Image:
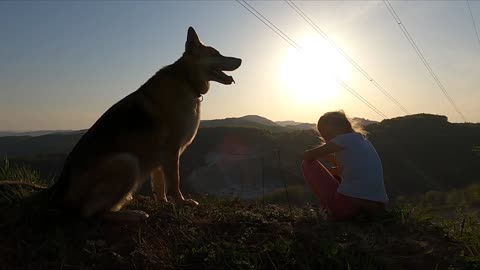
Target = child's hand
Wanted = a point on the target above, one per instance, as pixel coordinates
(335, 171)
(321, 151)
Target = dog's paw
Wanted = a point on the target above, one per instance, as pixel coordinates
(186, 202)
(160, 199)
(191, 202)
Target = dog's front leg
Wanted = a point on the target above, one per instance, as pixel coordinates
(172, 176)
(159, 185)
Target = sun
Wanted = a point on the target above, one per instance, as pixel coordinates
(310, 75)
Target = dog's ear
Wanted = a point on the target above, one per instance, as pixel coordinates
(192, 40)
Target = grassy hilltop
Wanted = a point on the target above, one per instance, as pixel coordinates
(229, 234)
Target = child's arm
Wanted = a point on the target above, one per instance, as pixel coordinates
(321, 151)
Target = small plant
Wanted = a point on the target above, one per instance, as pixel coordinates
(14, 173)
(18, 173)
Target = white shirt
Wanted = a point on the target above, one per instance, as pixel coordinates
(361, 168)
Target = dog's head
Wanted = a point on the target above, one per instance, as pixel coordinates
(208, 63)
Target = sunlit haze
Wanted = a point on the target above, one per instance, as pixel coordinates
(65, 63)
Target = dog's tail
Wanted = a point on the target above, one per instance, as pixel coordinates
(55, 193)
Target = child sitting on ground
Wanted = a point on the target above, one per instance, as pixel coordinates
(361, 190)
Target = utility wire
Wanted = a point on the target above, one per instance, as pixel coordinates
(307, 19)
(473, 21)
(422, 57)
(295, 45)
(269, 24)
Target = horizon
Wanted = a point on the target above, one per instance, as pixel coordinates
(19, 131)
(354, 118)
(64, 64)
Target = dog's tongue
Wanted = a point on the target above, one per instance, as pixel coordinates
(223, 78)
(228, 80)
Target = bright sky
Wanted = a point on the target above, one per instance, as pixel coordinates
(64, 63)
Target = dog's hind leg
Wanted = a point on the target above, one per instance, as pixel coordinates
(113, 181)
(159, 185)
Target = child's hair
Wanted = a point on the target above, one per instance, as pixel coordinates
(338, 119)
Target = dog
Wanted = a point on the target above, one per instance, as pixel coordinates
(141, 136)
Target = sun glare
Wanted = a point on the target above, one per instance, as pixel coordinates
(309, 76)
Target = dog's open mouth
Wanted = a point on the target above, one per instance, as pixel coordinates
(227, 64)
(221, 77)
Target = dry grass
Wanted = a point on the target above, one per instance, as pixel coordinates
(224, 234)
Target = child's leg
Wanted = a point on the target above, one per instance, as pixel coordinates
(321, 181)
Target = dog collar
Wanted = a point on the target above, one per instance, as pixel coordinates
(194, 86)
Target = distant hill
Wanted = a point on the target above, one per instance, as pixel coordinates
(258, 122)
(419, 153)
(258, 119)
(24, 146)
(31, 133)
(424, 152)
(293, 125)
(244, 121)
(363, 122)
(249, 121)
(288, 123)
(233, 122)
(302, 126)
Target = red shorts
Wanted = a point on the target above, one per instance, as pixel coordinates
(324, 185)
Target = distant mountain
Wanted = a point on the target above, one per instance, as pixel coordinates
(288, 123)
(44, 145)
(363, 122)
(258, 119)
(248, 121)
(419, 153)
(424, 152)
(302, 126)
(293, 125)
(360, 121)
(31, 133)
(244, 121)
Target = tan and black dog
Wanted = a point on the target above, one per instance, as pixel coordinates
(142, 135)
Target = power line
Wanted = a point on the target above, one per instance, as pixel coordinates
(285, 37)
(307, 19)
(360, 97)
(422, 57)
(295, 45)
(269, 24)
(473, 21)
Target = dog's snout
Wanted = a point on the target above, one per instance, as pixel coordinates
(231, 64)
(239, 61)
